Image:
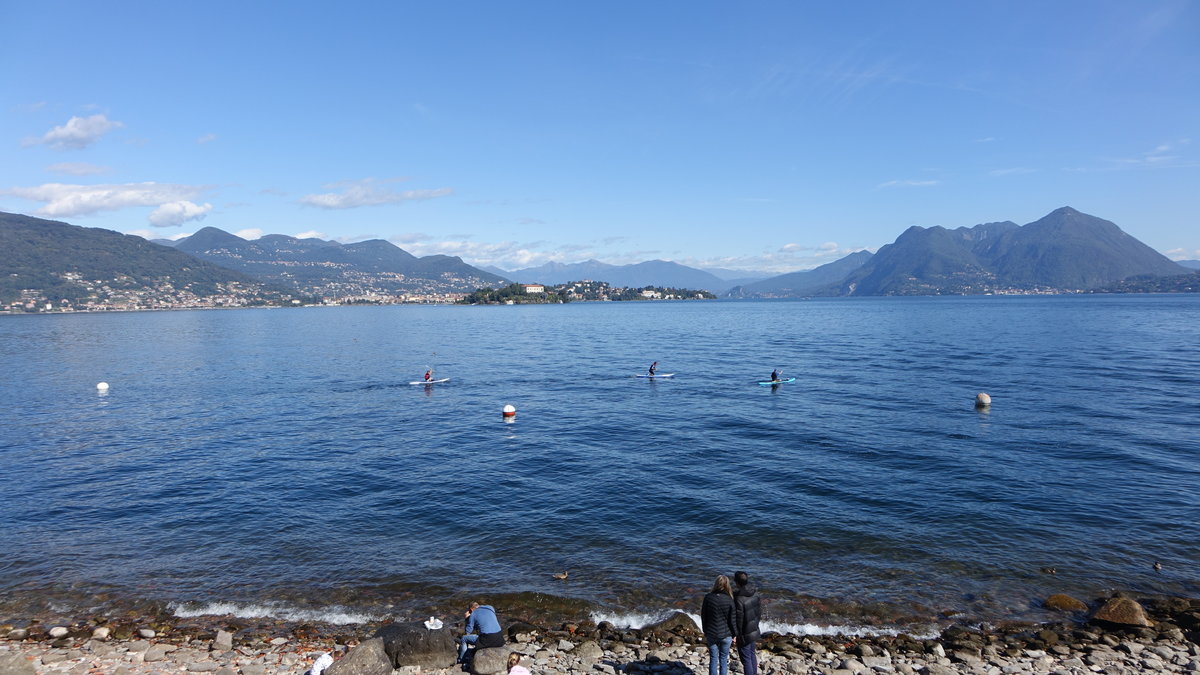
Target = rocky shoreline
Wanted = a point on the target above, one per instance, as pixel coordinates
(1124, 635)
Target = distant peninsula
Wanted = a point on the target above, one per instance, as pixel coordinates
(577, 291)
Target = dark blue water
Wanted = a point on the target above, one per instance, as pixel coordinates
(279, 461)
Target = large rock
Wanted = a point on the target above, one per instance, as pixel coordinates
(16, 664)
(410, 643)
(1124, 611)
(676, 623)
(589, 651)
(1064, 603)
(490, 661)
(368, 658)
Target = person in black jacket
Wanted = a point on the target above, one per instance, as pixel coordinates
(747, 610)
(717, 617)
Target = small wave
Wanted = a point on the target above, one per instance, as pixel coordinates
(335, 615)
(640, 620)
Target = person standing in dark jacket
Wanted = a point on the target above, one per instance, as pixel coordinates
(747, 610)
(718, 618)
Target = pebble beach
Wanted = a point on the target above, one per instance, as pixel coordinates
(1115, 636)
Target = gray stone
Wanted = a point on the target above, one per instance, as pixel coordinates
(279, 641)
(226, 671)
(676, 623)
(201, 667)
(604, 668)
(588, 651)
(53, 657)
(565, 645)
(798, 666)
(410, 643)
(58, 632)
(18, 634)
(368, 658)
(223, 641)
(259, 669)
(137, 646)
(146, 633)
(489, 661)
(159, 651)
(101, 633)
(939, 669)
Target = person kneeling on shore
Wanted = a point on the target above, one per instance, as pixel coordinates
(482, 618)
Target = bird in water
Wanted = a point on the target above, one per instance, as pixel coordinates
(561, 576)
(1157, 566)
(1049, 570)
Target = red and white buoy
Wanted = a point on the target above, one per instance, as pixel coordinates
(509, 411)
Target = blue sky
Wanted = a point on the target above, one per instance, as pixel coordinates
(762, 135)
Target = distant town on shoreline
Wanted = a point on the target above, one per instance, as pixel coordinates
(50, 266)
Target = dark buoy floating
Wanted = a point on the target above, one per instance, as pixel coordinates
(982, 400)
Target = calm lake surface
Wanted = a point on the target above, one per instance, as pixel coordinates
(278, 462)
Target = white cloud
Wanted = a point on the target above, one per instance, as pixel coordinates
(77, 133)
(78, 168)
(172, 214)
(910, 183)
(311, 234)
(206, 138)
(987, 139)
(248, 234)
(1182, 254)
(64, 200)
(367, 192)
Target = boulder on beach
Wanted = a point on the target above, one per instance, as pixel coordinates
(489, 661)
(368, 658)
(1062, 602)
(676, 623)
(410, 643)
(16, 664)
(1124, 611)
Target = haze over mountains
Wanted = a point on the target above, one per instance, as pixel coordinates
(1065, 251)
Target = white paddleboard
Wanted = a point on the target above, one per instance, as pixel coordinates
(656, 376)
(444, 379)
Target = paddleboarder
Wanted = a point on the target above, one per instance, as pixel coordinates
(429, 374)
(653, 367)
(776, 375)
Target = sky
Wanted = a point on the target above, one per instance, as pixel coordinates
(756, 136)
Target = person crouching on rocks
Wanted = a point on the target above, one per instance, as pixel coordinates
(514, 665)
(482, 618)
(717, 618)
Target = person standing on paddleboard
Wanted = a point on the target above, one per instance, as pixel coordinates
(776, 375)
(653, 367)
(429, 374)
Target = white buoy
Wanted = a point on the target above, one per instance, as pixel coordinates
(982, 400)
(510, 411)
(102, 386)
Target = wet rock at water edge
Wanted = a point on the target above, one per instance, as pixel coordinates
(1123, 611)
(588, 651)
(676, 623)
(1064, 603)
(410, 643)
(368, 658)
(223, 642)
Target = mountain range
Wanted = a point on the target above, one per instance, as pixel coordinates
(58, 261)
(650, 273)
(1062, 252)
(328, 268)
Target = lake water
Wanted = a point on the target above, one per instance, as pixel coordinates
(278, 462)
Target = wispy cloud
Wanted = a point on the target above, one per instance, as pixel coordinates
(1169, 155)
(909, 183)
(206, 138)
(1183, 254)
(1015, 171)
(79, 168)
(986, 139)
(249, 233)
(368, 192)
(173, 201)
(77, 134)
(311, 234)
